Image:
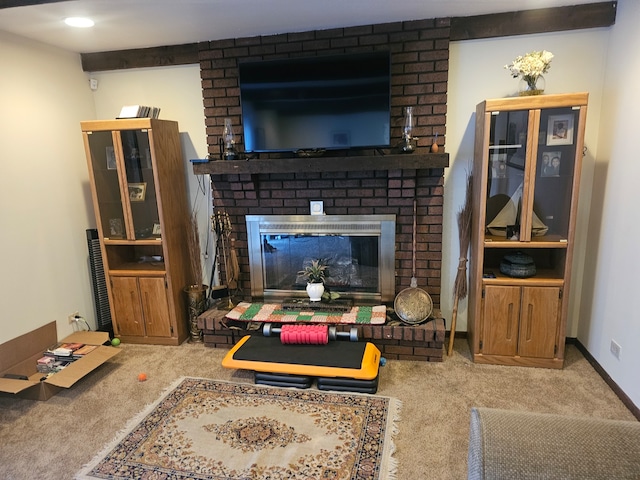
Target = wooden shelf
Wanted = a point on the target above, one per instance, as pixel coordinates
(324, 164)
(548, 241)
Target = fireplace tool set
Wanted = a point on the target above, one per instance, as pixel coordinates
(221, 225)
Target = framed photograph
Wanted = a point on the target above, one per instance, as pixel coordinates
(156, 229)
(137, 192)
(560, 130)
(111, 158)
(551, 164)
(116, 228)
(498, 165)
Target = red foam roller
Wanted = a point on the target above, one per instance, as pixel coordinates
(304, 334)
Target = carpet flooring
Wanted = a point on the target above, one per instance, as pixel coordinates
(54, 439)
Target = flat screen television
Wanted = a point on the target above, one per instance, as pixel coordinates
(316, 103)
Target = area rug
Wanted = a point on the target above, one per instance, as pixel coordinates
(273, 312)
(209, 429)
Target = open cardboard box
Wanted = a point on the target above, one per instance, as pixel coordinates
(20, 356)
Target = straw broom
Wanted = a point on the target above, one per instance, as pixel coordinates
(464, 236)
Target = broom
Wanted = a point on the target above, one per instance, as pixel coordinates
(464, 236)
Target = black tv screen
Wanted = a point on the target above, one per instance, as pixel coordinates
(316, 103)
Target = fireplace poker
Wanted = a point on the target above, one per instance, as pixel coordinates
(222, 227)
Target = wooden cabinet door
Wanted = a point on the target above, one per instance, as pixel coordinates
(153, 294)
(500, 315)
(127, 308)
(539, 321)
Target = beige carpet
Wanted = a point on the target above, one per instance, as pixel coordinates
(54, 439)
(204, 429)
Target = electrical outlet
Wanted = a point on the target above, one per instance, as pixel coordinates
(73, 316)
(615, 349)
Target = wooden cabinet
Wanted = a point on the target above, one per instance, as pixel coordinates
(141, 307)
(138, 187)
(526, 174)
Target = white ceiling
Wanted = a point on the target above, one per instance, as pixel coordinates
(125, 24)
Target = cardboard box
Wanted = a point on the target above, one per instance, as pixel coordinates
(20, 357)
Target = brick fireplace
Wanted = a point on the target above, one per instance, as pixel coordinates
(348, 183)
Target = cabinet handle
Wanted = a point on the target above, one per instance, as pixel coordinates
(134, 297)
(146, 307)
(528, 325)
(510, 322)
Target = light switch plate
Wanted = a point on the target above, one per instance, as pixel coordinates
(316, 207)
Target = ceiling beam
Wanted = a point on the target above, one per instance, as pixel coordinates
(184, 54)
(26, 3)
(526, 22)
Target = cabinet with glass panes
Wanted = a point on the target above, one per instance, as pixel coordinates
(136, 171)
(526, 174)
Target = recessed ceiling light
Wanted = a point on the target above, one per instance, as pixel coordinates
(79, 22)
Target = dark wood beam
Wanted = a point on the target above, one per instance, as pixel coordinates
(526, 22)
(184, 54)
(26, 3)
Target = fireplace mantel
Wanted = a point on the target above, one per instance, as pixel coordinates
(325, 164)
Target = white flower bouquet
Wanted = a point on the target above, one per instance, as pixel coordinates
(530, 66)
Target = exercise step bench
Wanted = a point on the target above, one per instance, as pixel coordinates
(340, 365)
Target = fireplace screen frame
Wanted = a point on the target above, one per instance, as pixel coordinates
(381, 226)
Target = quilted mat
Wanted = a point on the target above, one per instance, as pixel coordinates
(273, 312)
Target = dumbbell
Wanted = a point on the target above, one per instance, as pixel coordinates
(308, 334)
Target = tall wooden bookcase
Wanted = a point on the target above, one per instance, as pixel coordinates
(139, 194)
(526, 176)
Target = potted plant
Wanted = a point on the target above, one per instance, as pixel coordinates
(315, 274)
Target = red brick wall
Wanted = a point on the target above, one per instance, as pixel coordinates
(419, 58)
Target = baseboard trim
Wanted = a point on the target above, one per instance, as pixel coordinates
(596, 366)
(605, 376)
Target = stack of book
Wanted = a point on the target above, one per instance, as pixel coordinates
(139, 111)
(69, 351)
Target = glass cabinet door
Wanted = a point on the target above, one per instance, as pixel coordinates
(506, 175)
(141, 190)
(107, 185)
(124, 160)
(555, 168)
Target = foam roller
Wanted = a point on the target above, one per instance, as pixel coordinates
(305, 334)
(308, 334)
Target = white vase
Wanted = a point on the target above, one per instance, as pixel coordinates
(315, 291)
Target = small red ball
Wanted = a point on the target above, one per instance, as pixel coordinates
(142, 377)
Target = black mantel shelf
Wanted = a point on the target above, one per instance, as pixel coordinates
(324, 164)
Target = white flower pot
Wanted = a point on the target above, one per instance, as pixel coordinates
(315, 291)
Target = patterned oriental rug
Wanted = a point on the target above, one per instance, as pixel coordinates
(208, 429)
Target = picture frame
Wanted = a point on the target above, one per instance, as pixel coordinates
(560, 130)
(498, 165)
(137, 192)
(551, 162)
(156, 229)
(116, 227)
(111, 158)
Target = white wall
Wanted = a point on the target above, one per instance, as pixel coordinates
(177, 91)
(476, 72)
(44, 192)
(611, 302)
